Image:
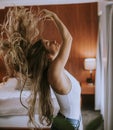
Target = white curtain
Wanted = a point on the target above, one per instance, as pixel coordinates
(109, 70)
(104, 72)
(101, 64)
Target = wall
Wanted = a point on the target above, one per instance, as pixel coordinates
(82, 22)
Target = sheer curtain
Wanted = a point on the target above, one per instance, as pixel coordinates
(101, 62)
(104, 73)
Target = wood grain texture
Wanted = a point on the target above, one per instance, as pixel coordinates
(87, 88)
(82, 22)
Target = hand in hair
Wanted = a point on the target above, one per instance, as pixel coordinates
(56, 75)
(46, 14)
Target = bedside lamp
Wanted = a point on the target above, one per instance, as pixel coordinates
(90, 64)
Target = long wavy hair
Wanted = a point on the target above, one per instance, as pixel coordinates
(24, 53)
(38, 67)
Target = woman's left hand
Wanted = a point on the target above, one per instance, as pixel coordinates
(46, 14)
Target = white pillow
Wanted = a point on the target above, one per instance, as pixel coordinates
(21, 83)
(10, 84)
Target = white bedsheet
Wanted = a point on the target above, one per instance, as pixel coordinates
(10, 102)
(18, 121)
(12, 113)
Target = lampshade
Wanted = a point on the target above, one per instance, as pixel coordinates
(90, 63)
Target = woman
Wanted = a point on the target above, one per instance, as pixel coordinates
(52, 61)
(45, 61)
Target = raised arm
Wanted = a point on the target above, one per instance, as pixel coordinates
(66, 41)
(65, 35)
(56, 75)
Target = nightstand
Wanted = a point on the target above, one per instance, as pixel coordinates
(88, 95)
(87, 88)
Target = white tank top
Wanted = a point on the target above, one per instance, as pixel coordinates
(70, 104)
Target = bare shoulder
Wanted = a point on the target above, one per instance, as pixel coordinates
(59, 82)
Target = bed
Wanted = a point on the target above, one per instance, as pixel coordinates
(12, 114)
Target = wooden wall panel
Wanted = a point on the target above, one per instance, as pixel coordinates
(82, 22)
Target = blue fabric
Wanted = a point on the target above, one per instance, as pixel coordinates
(61, 123)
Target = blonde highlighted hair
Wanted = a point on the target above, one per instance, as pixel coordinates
(24, 53)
